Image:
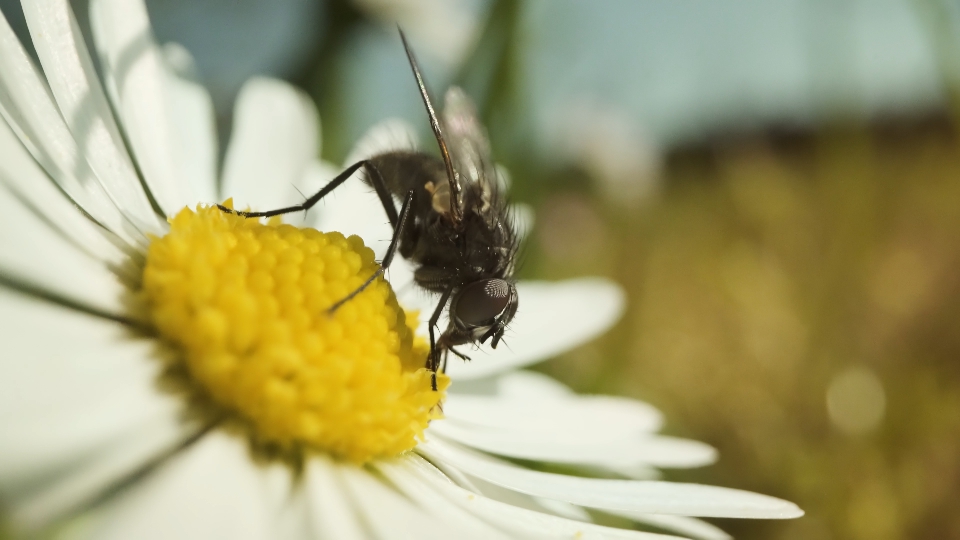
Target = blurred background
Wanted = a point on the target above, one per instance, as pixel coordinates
(776, 184)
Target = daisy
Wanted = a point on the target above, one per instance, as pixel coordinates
(124, 409)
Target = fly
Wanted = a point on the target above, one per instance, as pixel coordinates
(454, 225)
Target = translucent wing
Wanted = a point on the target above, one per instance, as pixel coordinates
(467, 141)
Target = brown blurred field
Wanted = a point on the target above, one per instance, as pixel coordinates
(765, 267)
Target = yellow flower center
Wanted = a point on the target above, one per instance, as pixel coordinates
(248, 305)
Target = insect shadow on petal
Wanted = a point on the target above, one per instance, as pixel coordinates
(454, 224)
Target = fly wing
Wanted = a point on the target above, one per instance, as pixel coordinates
(482, 185)
(467, 141)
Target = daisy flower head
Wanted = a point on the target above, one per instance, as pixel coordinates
(169, 370)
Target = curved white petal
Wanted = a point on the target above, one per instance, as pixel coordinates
(73, 80)
(639, 496)
(354, 208)
(293, 520)
(581, 417)
(563, 509)
(606, 448)
(687, 526)
(426, 496)
(390, 515)
(25, 178)
(194, 124)
(83, 405)
(276, 135)
(36, 255)
(155, 105)
(355, 205)
(391, 134)
(28, 107)
(520, 500)
(80, 482)
(532, 386)
(515, 498)
(212, 489)
(518, 385)
(553, 318)
(516, 521)
(633, 472)
(332, 515)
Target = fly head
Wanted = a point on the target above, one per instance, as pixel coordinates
(481, 310)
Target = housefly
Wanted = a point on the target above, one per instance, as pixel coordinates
(454, 225)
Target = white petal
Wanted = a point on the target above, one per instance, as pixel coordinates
(194, 127)
(389, 514)
(78, 398)
(609, 448)
(633, 472)
(428, 497)
(392, 134)
(519, 522)
(522, 500)
(29, 109)
(213, 489)
(25, 178)
(35, 255)
(168, 120)
(354, 208)
(276, 135)
(671, 452)
(293, 520)
(95, 474)
(553, 318)
(638, 496)
(583, 417)
(331, 514)
(534, 386)
(688, 526)
(564, 509)
(73, 80)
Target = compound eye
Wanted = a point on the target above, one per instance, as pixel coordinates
(480, 302)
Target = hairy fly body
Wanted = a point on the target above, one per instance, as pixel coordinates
(453, 223)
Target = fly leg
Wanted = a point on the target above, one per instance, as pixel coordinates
(446, 356)
(433, 361)
(462, 356)
(375, 178)
(388, 257)
(398, 222)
